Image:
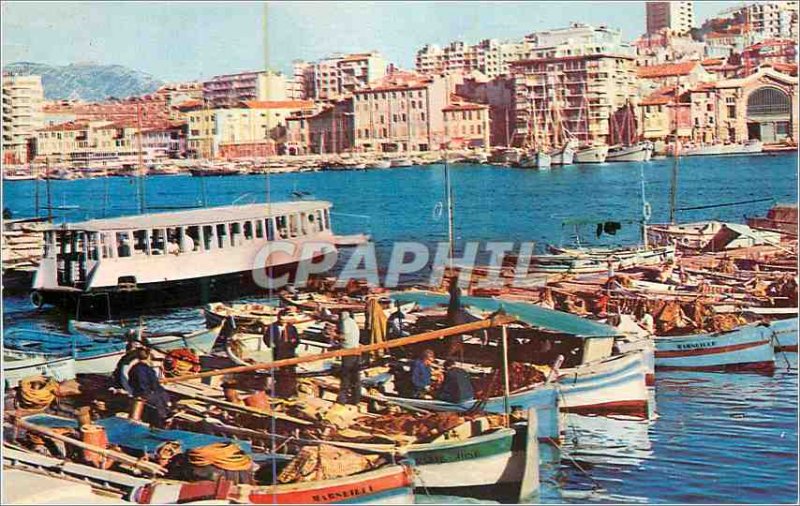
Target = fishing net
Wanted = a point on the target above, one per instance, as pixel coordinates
(326, 462)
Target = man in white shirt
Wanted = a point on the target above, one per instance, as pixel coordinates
(349, 376)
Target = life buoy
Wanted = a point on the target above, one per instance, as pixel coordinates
(37, 299)
(647, 211)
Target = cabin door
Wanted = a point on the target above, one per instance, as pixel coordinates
(71, 259)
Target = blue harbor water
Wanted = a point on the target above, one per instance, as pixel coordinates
(717, 438)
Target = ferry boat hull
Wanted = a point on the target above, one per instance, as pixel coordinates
(592, 154)
(747, 348)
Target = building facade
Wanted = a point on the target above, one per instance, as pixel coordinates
(339, 75)
(677, 17)
(466, 125)
(490, 57)
(23, 98)
(229, 90)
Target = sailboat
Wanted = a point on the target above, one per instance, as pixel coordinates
(565, 154)
(588, 152)
(626, 149)
(536, 156)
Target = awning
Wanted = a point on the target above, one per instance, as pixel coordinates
(531, 314)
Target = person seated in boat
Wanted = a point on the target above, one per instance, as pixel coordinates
(396, 323)
(421, 377)
(349, 375)
(124, 365)
(283, 338)
(173, 248)
(648, 323)
(457, 386)
(600, 307)
(144, 383)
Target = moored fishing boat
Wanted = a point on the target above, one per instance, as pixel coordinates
(746, 348)
(401, 162)
(591, 154)
(201, 341)
(90, 357)
(640, 152)
(565, 155)
(253, 316)
(784, 334)
(536, 160)
(18, 365)
(587, 261)
(379, 164)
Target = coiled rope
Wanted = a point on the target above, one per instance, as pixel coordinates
(37, 392)
(227, 456)
(181, 362)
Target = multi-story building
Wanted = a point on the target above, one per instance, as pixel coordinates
(338, 75)
(400, 113)
(666, 47)
(466, 125)
(251, 129)
(780, 51)
(23, 98)
(498, 95)
(229, 90)
(770, 19)
(683, 75)
(490, 57)
(573, 87)
(677, 17)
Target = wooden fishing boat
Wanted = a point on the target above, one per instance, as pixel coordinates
(593, 380)
(591, 154)
(252, 316)
(18, 365)
(640, 152)
(27, 487)
(90, 357)
(317, 302)
(200, 341)
(746, 348)
(784, 334)
(249, 348)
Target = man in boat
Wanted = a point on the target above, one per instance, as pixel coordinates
(421, 374)
(456, 386)
(144, 384)
(283, 338)
(124, 366)
(349, 376)
(397, 323)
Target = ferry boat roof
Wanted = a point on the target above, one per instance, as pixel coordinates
(207, 215)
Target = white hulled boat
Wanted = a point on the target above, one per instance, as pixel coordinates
(166, 259)
(591, 154)
(640, 152)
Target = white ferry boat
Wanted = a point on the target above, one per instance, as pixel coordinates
(111, 266)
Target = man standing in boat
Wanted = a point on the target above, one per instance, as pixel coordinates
(421, 374)
(144, 384)
(350, 375)
(283, 339)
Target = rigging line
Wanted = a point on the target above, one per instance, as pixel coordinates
(727, 204)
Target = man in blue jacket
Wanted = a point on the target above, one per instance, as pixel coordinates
(421, 374)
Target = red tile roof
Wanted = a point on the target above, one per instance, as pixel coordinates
(785, 68)
(279, 104)
(62, 127)
(655, 100)
(666, 70)
(711, 62)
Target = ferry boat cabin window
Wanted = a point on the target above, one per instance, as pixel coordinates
(304, 225)
(191, 239)
(280, 222)
(208, 236)
(93, 252)
(222, 234)
(270, 229)
(327, 220)
(320, 223)
(248, 230)
(259, 229)
(107, 249)
(174, 236)
(140, 242)
(293, 225)
(236, 234)
(157, 242)
(123, 244)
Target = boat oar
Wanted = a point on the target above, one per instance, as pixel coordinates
(149, 467)
(495, 321)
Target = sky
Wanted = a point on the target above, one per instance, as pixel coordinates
(177, 41)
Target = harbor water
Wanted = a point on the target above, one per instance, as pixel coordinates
(717, 438)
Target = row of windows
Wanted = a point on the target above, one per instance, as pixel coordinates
(384, 94)
(189, 239)
(454, 130)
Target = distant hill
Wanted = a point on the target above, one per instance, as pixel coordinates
(87, 81)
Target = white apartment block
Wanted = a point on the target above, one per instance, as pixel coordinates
(232, 89)
(577, 40)
(772, 19)
(339, 75)
(490, 57)
(677, 17)
(23, 98)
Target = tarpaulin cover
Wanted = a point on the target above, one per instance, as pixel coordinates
(136, 437)
(533, 315)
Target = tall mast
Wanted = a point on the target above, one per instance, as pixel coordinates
(673, 187)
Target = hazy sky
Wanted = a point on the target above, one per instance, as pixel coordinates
(191, 40)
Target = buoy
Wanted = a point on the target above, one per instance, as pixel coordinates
(95, 435)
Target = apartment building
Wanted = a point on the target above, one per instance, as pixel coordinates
(23, 98)
(466, 125)
(572, 85)
(339, 75)
(677, 17)
(490, 57)
(771, 19)
(229, 90)
(683, 75)
(251, 129)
